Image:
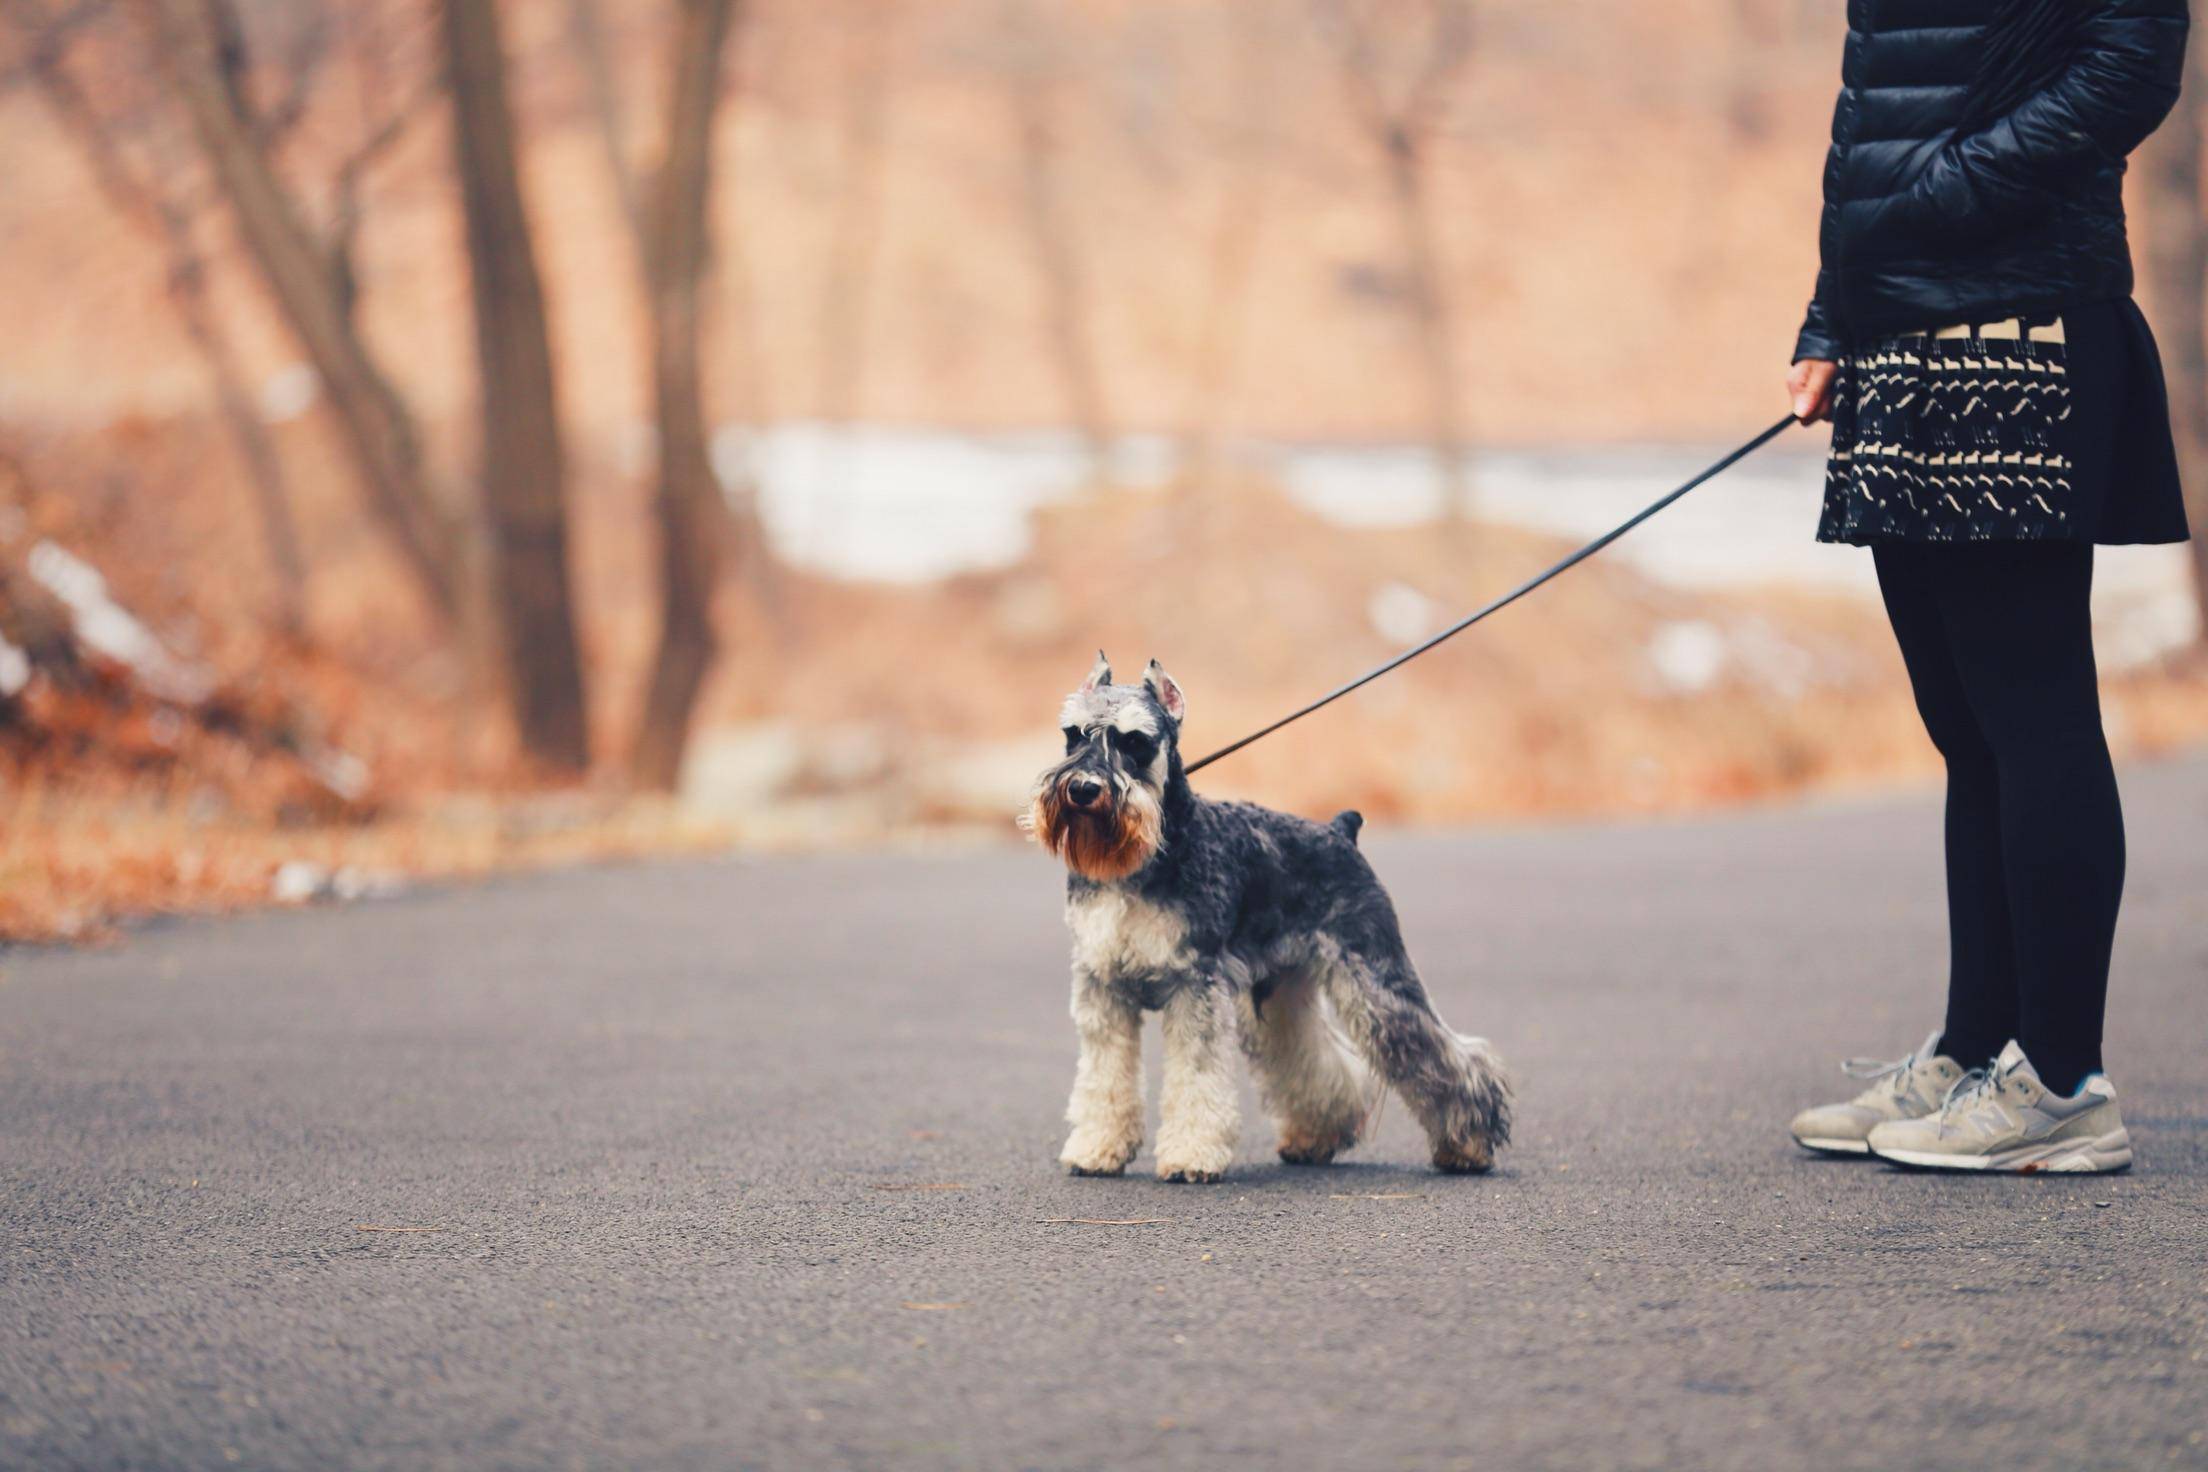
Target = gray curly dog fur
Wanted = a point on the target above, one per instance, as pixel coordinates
(1241, 927)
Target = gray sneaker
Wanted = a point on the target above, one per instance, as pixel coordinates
(2002, 1117)
(1907, 1088)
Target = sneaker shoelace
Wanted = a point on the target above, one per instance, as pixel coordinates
(1966, 1090)
(1871, 1070)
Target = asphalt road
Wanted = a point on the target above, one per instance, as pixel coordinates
(747, 1164)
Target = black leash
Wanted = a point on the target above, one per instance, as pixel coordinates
(1512, 596)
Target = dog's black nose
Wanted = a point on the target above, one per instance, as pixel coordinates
(1082, 792)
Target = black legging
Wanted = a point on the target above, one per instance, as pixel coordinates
(1999, 647)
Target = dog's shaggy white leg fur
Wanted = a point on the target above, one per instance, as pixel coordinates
(1200, 1112)
(1318, 1090)
(1106, 1108)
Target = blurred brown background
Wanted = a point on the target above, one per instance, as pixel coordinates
(441, 436)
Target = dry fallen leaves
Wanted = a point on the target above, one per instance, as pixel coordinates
(114, 804)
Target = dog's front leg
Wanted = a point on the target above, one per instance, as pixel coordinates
(1201, 1119)
(1106, 1108)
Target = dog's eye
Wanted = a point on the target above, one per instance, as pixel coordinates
(1135, 746)
(1073, 739)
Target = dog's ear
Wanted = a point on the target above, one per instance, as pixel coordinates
(1100, 673)
(1169, 694)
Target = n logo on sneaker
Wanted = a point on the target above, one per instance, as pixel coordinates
(1992, 1121)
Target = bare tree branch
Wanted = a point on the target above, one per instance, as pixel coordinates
(158, 214)
(47, 41)
(51, 34)
(302, 65)
(738, 315)
(352, 171)
(197, 63)
(1449, 48)
(523, 461)
(693, 524)
(233, 61)
(1442, 54)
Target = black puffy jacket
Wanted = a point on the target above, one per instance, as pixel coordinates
(1924, 227)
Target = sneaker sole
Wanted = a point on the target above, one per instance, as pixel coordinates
(1833, 1146)
(2103, 1156)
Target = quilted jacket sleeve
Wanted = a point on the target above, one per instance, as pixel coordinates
(1817, 338)
(2124, 82)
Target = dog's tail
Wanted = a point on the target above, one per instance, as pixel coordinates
(1487, 1083)
(1465, 1103)
(1454, 1084)
(1347, 822)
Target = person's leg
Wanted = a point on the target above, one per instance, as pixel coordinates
(2019, 628)
(1981, 977)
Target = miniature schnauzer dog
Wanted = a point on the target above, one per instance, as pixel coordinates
(1235, 922)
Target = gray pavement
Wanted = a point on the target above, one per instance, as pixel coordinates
(659, 1139)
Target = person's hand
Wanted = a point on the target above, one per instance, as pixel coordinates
(1809, 382)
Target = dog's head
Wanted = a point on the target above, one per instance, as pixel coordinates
(1102, 809)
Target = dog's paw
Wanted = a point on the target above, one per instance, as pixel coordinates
(1299, 1146)
(1473, 1157)
(1189, 1175)
(1089, 1156)
(1190, 1156)
(1094, 1168)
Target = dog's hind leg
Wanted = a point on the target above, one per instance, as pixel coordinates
(1199, 1113)
(1106, 1108)
(1454, 1085)
(1317, 1088)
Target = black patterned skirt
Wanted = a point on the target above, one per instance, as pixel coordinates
(2005, 431)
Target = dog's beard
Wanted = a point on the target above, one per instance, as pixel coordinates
(1100, 844)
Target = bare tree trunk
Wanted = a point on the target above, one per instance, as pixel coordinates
(1233, 255)
(701, 520)
(2176, 250)
(1437, 327)
(692, 520)
(1058, 258)
(524, 471)
(143, 203)
(735, 297)
(309, 293)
